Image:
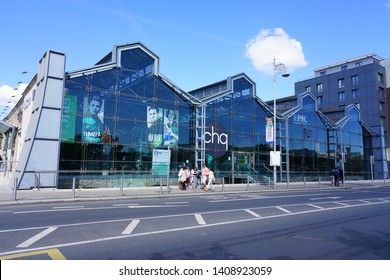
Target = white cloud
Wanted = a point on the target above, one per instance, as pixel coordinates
(387, 5)
(276, 43)
(9, 96)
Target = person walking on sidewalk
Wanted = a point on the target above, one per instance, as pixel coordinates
(205, 173)
(184, 177)
(194, 177)
(211, 180)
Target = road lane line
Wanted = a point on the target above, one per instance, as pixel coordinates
(253, 213)
(283, 209)
(365, 201)
(68, 207)
(129, 229)
(175, 203)
(316, 206)
(37, 237)
(155, 206)
(233, 199)
(105, 239)
(340, 203)
(200, 219)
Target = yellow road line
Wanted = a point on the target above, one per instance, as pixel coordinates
(54, 254)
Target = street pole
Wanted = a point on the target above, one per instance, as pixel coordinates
(274, 124)
(278, 68)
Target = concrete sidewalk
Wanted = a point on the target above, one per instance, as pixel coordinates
(47, 195)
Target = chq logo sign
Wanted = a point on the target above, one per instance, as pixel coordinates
(216, 139)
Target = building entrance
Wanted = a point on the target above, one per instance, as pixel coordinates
(243, 167)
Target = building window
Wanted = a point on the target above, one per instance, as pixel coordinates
(355, 80)
(359, 63)
(320, 100)
(380, 78)
(340, 83)
(381, 106)
(381, 92)
(383, 121)
(322, 73)
(342, 96)
(344, 67)
(308, 88)
(319, 88)
(355, 94)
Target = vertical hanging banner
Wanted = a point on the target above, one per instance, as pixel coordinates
(161, 162)
(269, 131)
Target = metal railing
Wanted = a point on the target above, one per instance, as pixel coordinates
(71, 184)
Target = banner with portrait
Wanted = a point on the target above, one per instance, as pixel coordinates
(93, 116)
(163, 127)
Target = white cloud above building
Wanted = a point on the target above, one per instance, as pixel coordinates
(275, 43)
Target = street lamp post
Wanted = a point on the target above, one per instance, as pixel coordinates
(279, 68)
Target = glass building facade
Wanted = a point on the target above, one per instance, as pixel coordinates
(115, 117)
(307, 140)
(312, 144)
(235, 129)
(122, 118)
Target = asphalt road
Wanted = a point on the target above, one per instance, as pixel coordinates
(310, 225)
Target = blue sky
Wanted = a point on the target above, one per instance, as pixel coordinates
(199, 42)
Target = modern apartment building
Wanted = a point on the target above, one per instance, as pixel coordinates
(360, 81)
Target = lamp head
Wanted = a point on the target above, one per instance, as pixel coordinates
(285, 75)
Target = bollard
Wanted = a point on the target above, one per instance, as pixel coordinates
(304, 182)
(161, 188)
(319, 181)
(121, 188)
(269, 183)
(74, 188)
(15, 189)
(223, 184)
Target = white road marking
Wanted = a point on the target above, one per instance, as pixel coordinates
(329, 197)
(175, 203)
(340, 203)
(129, 229)
(200, 219)
(252, 213)
(316, 206)
(155, 206)
(68, 207)
(283, 209)
(365, 201)
(37, 237)
(232, 199)
(173, 229)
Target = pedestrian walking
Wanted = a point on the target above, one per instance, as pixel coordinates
(211, 180)
(205, 173)
(194, 177)
(181, 178)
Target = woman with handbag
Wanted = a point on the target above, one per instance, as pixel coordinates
(184, 177)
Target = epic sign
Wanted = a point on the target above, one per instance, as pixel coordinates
(300, 119)
(216, 139)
